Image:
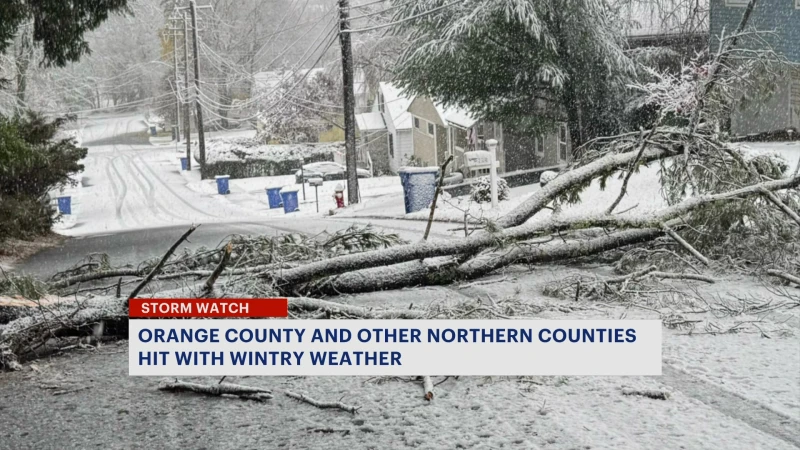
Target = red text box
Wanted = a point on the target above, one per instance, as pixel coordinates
(208, 307)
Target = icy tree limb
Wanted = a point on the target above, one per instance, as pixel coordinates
(436, 197)
(677, 238)
(624, 189)
(313, 304)
(683, 276)
(113, 273)
(539, 199)
(323, 405)
(382, 278)
(649, 393)
(160, 264)
(427, 387)
(720, 61)
(788, 277)
(782, 206)
(477, 243)
(208, 287)
(631, 276)
(520, 255)
(243, 392)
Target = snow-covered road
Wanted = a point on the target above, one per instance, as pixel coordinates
(133, 202)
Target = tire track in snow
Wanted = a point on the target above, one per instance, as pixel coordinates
(175, 194)
(152, 202)
(733, 405)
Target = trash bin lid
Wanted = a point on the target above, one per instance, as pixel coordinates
(221, 176)
(413, 170)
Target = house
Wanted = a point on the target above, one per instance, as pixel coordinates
(438, 132)
(371, 147)
(385, 131)
(393, 105)
(782, 17)
(550, 149)
(659, 23)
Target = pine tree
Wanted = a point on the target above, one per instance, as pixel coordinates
(58, 25)
(525, 63)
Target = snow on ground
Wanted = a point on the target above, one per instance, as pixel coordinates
(733, 391)
(789, 151)
(643, 193)
(251, 193)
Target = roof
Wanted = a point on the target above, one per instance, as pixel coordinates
(396, 105)
(371, 121)
(456, 116)
(654, 18)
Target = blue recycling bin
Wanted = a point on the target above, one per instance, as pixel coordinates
(274, 197)
(419, 186)
(65, 205)
(290, 203)
(184, 163)
(222, 184)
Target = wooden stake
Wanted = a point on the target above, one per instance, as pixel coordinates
(436, 197)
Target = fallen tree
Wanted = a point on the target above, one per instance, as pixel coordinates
(720, 203)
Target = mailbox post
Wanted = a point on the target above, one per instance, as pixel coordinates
(316, 182)
(491, 144)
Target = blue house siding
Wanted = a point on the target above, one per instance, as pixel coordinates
(783, 18)
(780, 16)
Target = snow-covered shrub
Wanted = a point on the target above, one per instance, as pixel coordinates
(546, 177)
(482, 190)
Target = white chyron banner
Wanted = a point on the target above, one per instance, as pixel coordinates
(234, 347)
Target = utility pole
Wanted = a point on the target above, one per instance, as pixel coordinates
(177, 84)
(349, 102)
(187, 114)
(200, 135)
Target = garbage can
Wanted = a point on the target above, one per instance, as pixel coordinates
(65, 205)
(290, 203)
(153, 131)
(274, 197)
(419, 186)
(184, 163)
(222, 184)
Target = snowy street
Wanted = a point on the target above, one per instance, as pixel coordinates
(133, 202)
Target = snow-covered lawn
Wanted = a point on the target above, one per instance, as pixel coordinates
(643, 193)
(251, 192)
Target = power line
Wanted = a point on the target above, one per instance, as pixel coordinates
(416, 16)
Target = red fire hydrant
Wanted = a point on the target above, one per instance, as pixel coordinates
(339, 196)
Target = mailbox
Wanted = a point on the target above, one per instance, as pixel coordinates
(315, 181)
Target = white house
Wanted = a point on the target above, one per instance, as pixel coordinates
(391, 102)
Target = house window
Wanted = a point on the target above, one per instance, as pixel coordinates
(562, 142)
(796, 4)
(538, 143)
(381, 102)
(431, 129)
(391, 146)
(737, 3)
(416, 122)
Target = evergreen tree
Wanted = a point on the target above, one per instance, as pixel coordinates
(525, 63)
(58, 25)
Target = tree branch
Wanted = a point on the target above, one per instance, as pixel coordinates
(160, 264)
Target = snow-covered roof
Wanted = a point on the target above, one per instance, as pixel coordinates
(456, 116)
(396, 105)
(664, 17)
(371, 121)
